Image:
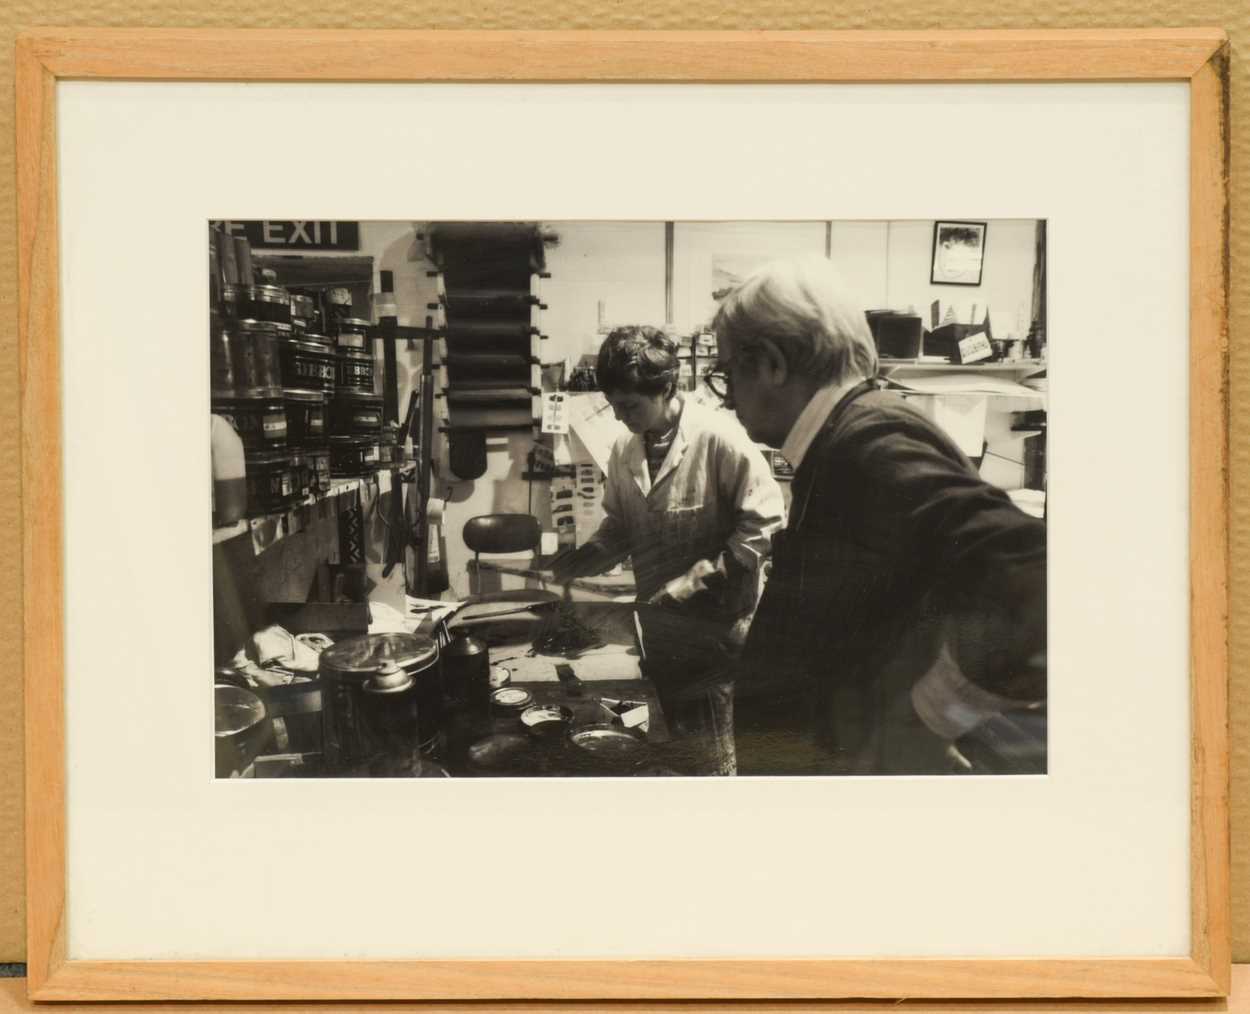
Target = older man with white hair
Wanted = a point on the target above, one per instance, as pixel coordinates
(903, 626)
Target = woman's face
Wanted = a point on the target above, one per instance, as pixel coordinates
(642, 413)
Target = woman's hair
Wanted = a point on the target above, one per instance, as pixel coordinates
(802, 306)
(637, 360)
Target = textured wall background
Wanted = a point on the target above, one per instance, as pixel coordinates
(1232, 15)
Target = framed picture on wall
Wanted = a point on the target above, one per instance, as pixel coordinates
(958, 253)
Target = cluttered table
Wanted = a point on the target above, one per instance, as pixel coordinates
(532, 688)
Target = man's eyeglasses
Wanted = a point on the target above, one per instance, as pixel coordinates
(716, 378)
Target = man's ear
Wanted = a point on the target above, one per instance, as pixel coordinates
(773, 367)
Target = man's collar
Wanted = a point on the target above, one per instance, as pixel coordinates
(812, 418)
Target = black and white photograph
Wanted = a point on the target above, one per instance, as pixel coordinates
(958, 253)
(555, 499)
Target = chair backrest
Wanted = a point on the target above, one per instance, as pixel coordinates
(502, 533)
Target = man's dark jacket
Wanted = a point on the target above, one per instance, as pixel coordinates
(894, 544)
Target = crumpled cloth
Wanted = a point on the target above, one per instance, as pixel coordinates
(273, 656)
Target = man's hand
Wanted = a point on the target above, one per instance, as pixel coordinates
(681, 589)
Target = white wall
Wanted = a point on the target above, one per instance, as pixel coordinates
(1006, 281)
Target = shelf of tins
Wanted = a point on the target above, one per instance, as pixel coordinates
(488, 310)
(310, 506)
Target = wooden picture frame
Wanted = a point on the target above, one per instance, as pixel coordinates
(45, 57)
(967, 267)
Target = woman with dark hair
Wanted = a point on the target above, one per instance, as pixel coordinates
(688, 497)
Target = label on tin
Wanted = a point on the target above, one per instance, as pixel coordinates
(368, 419)
(371, 452)
(274, 424)
(286, 484)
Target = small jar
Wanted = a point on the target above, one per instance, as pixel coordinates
(356, 414)
(305, 418)
(355, 371)
(256, 360)
(353, 457)
(260, 422)
(353, 333)
(268, 302)
(272, 483)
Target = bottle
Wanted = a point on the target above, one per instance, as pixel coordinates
(229, 473)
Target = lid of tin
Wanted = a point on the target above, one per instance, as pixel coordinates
(267, 459)
(536, 716)
(320, 339)
(302, 343)
(353, 394)
(464, 646)
(512, 698)
(250, 324)
(498, 677)
(360, 657)
(298, 394)
(268, 293)
(283, 328)
(364, 441)
(389, 679)
(607, 741)
(353, 323)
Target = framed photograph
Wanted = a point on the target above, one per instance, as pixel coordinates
(958, 253)
(428, 805)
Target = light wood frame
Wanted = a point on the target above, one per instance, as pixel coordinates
(1198, 56)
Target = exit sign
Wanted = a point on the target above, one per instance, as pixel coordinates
(281, 234)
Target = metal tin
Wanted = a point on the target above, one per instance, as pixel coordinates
(231, 295)
(260, 422)
(272, 484)
(305, 418)
(608, 743)
(351, 723)
(353, 457)
(220, 359)
(321, 339)
(303, 310)
(509, 702)
(353, 333)
(308, 365)
(466, 671)
(256, 360)
(242, 727)
(356, 414)
(355, 371)
(546, 719)
(317, 460)
(499, 677)
(267, 302)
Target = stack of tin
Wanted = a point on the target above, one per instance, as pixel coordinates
(248, 324)
(356, 410)
(302, 402)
